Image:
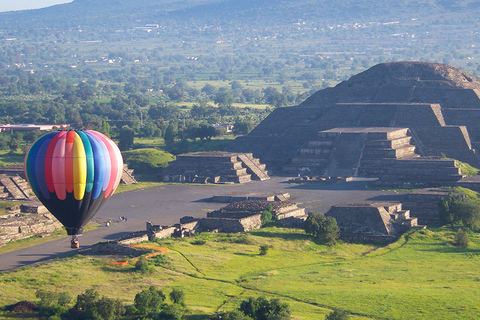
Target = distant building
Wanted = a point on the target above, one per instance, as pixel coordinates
(30, 127)
(227, 127)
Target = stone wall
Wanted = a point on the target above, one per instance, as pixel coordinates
(21, 225)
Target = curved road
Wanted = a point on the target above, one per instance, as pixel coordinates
(165, 205)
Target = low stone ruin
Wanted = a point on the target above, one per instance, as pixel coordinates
(372, 222)
(25, 221)
(215, 167)
(242, 196)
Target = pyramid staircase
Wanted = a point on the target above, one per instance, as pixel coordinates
(127, 176)
(353, 152)
(254, 167)
(14, 187)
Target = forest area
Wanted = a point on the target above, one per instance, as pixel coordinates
(172, 69)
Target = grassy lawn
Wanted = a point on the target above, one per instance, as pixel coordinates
(420, 277)
(8, 159)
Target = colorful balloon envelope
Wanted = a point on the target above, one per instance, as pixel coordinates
(73, 173)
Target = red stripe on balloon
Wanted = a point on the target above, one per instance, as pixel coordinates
(48, 161)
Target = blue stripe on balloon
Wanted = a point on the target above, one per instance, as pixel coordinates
(39, 168)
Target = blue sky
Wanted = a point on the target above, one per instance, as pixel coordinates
(10, 5)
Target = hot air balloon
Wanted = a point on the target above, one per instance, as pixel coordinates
(73, 173)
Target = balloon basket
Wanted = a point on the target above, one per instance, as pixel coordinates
(74, 243)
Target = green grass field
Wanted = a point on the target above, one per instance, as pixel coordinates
(421, 276)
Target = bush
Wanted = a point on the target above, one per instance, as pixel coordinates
(143, 266)
(267, 216)
(324, 229)
(338, 314)
(461, 239)
(177, 296)
(264, 250)
(261, 308)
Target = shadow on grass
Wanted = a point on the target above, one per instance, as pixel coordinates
(281, 235)
(13, 315)
(448, 248)
(120, 269)
(196, 317)
(246, 254)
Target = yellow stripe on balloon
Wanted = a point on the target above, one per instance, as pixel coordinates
(79, 168)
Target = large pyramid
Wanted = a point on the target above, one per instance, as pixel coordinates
(416, 108)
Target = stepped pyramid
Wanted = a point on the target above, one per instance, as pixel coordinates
(437, 103)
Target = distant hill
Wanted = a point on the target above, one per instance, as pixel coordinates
(231, 14)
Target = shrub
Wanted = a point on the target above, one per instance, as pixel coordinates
(461, 239)
(177, 296)
(338, 314)
(143, 266)
(267, 216)
(261, 308)
(264, 250)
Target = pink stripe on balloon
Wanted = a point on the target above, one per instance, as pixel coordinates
(58, 167)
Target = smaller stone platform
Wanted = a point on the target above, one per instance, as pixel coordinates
(421, 172)
(372, 221)
(215, 167)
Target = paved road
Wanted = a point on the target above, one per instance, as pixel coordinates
(165, 205)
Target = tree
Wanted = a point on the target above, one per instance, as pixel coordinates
(126, 137)
(324, 229)
(90, 306)
(456, 208)
(263, 309)
(105, 129)
(177, 296)
(171, 133)
(224, 98)
(149, 300)
(338, 314)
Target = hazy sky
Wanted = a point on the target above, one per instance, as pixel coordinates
(10, 5)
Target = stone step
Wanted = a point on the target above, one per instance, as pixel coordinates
(395, 143)
(407, 151)
(12, 188)
(315, 151)
(257, 172)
